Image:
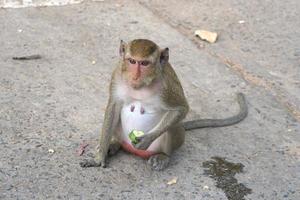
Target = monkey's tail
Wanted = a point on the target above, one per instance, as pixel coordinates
(202, 123)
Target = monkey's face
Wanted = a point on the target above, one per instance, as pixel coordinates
(142, 62)
(139, 72)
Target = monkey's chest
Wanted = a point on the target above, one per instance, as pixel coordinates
(138, 116)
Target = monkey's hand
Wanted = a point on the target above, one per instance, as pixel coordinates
(143, 142)
(98, 161)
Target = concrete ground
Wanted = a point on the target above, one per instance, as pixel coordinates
(48, 107)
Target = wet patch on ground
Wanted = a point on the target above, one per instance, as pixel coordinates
(223, 173)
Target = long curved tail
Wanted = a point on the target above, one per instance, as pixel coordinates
(202, 123)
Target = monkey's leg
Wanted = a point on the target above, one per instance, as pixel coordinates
(115, 142)
(114, 145)
(170, 141)
(109, 127)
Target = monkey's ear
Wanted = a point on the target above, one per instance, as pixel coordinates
(164, 56)
(122, 48)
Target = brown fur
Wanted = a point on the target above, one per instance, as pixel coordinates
(142, 48)
(173, 94)
(169, 131)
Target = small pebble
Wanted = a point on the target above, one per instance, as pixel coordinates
(51, 151)
(205, 187)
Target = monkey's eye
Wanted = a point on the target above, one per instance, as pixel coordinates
(145, 63)
(131, 61)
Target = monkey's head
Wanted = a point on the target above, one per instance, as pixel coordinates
(142, 62)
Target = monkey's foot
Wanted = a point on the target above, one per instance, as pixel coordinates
(91, 163)
(113, 148)
(159, 161)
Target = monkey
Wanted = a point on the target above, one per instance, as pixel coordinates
(145, 94)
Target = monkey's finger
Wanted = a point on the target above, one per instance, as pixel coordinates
(140, 138)
(86, 163)
(143, 145)
(140, 146)
(90, 163)
(150, 161)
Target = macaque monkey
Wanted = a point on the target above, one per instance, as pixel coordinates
(145, 94)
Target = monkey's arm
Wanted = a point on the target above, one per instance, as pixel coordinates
(110, 123)
(111, 120)
(177, 107)
(170, 118)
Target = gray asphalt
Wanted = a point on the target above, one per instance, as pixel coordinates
(57, 102)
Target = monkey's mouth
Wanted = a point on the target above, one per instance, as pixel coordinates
(135, 80)
(136, 84)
